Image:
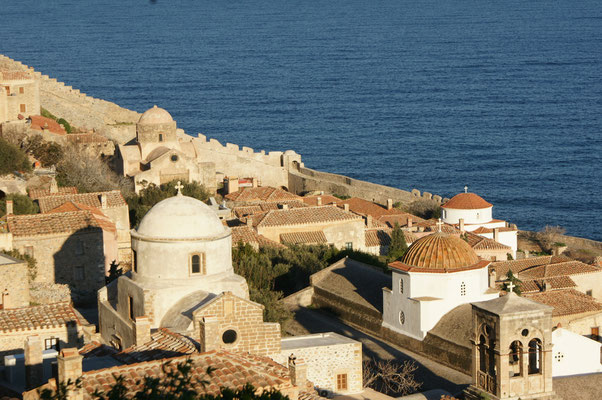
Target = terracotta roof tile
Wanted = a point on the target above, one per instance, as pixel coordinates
(326, 199)
(102, 220)
(40, 123)
(163, 344)
(537, 285)
(467, 201)
(401, 219)
(308, 215)
(481, 230)
(482, 243)
(567, 302)
(114, 199)
(35, 194)
(243, 211)
(262, 193)
(559, 269)
(245, 234)
(366, 207)
(6, 75)
(37, 317)
(311, 237)
(502, 267)
(382, 237)
(53, 223)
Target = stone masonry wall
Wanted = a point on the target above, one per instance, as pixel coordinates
(13, 342)
(14, 281)
(324, 363)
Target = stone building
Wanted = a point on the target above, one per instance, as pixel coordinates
(183, 280)
(110, 204)
(470, 212)
(438, 273)
(512, 349)
(14, 283)
(19, 95)
(71, 246)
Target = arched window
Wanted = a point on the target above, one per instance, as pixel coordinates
(515, 358)
(482, 354)
(197, 263)
(535, 356)
(400, 285)
(463, 289)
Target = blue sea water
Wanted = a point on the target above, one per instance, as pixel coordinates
(502, 96)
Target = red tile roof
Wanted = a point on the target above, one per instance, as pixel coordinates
(243, 211)
(502, 267)
(307, 215)
(37, 317)
(245, 234)
(163, 344)
(40, 123)
(481, 230)
(114, 199)
(537, 285)
(382, 237)
(326, 199)
(481, 243)
(559, 269)
(366, 207)
(35, 194)
(102, 220)
(53, 223)
(311, 237)
(467, 201)
(567, 302)
(401, 219)
(263, 193)
(6, 75)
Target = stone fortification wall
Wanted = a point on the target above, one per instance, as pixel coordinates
(79, 109)
(302, 180)
(366, 320)
(231, 160)
(15, 283)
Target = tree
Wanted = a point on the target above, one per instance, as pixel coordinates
(114, 272)
(22, 204)
(548, 236)
(176, 383)
(12, 159)
(390, 376)
(398, 246)
(511, 278)
(425, 208)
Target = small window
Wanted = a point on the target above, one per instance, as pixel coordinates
(478, 215)
(229, 336)
(197, 263)
(160, 137)
(589, 292)
(400, 285)
(595, 333)
(79, 273)
(134, 260)
(463, 289)
(341, 381)
(349, 245)
(131, 307)
(51, 343)
(79, 247)
(22, 108)
(402, 318)
(29, 251)
(21, 90)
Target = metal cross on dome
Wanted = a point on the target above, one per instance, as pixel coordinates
(439, 224)
(465, 189)
(179, 186)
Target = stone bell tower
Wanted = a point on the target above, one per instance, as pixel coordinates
(511, 350)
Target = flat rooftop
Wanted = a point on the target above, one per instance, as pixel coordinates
(319, 339)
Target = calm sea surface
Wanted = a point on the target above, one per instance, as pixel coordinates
(502, 96)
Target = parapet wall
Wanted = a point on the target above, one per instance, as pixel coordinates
(79, 109)
(302, 180)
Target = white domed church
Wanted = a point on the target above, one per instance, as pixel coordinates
(182, 257)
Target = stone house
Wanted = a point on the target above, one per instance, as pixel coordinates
(57, 325)
(14, 283)
(19, 95)
(111, 204)
(261, 194)
(71, 247)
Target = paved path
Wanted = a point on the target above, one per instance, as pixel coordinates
(431, 374)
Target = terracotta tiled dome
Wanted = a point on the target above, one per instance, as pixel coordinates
(155, 115)
(467, 201)
(440, 251)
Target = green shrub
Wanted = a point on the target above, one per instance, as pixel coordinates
(12, 159)
(46, 113)
(65, 124)
(22, 204)
(398, 246)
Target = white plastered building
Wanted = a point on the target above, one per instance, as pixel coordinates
(470, 212)
(575, 354)
(438, 273)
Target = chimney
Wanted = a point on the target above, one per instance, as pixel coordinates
(103, 200)
(492, 278)
(298, 371)
(545, 286)
(283, 206)
(254, 182)
(410, 222)
(249, 221)
(389, 204)
(34, 368)
(231, 184)
(142, 331)
(54, 187)
(368, 221)
(69, 365)
(496, 234)
(9, 207)
(461, 223)
(346, 207)
(319, 200)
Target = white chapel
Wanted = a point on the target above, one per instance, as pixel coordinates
(438, 273)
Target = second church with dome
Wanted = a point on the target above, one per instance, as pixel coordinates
(438, 273)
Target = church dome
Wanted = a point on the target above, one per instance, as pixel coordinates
(181, 217)
(467, 201)
(441, 252)
(155, 115)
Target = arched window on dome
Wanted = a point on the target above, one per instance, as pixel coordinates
(197, 264)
